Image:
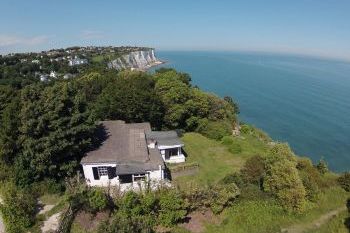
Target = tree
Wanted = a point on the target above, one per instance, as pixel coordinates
(131, 98)
(56, 130)
(235, 106)
(282, 178)
(9, 131)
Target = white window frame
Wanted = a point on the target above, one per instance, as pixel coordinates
(140, 177)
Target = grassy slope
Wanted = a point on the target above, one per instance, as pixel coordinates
(260, 215)
(214, 159)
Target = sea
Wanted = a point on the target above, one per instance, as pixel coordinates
(300, 100)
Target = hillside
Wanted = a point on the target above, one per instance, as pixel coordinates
(235, 179)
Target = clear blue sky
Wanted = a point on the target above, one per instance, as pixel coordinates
(318, 27)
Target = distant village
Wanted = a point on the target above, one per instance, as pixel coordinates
(58, 63)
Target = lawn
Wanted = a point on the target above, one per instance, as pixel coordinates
(214, 157)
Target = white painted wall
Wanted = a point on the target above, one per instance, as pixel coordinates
(154, 176)
(103, 181)
(180, 158)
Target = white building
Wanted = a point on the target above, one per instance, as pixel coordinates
(44, 77)
(130, 156)
(53, 74)
(77, 61)
(169, 145)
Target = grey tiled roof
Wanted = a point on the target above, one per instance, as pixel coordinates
(164, 138)
(125, 145)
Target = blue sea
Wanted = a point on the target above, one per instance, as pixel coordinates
(300, 100)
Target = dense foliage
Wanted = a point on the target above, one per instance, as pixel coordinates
(19, 208)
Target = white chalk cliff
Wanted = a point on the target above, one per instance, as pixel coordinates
(141, 60)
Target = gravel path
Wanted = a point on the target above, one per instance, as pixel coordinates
(301, 228)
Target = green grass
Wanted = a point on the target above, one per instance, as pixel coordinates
(51, 199)
(214, 157)
(265, 215)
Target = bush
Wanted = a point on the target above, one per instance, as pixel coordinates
(235, 148)
(344, 181)
(227, 140)
(214, 129)
(121, 223)
(322, 166)
(235, 178)
(48, 186)
(97, 200)
(253, 170)
(221, 196)
(282, 178)
(172, 207)
(216, 197)
(311, 178)
(18, 209)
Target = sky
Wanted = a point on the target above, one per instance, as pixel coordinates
(311, 27)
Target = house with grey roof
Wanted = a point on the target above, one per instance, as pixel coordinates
(169, 145)
(130, 155)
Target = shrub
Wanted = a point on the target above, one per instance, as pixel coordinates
(97, 200)
(48, 186)
(282, 178)
(322, 166)
(344, 181)
(221, 196)
(235, 148)
(121, 223)
(130, 204)
(235, 178)
(253, 170)
(311, 178)
(18, 209)
(214, 129)
(172, 207)
(216, 197)
(227, 140)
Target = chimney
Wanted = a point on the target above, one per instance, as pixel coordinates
(152, 143)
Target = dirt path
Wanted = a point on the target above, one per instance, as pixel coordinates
(301, 228)
(2, 225)
(51, 224)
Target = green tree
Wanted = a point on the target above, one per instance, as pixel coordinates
(131, 98)
(56, 129)
(9, 131)
(282, 178)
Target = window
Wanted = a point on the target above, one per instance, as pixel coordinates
(171, 152)
(102, 171)
(139, 177)
(125, 179)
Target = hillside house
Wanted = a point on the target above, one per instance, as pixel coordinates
(130, 154)
(77, 61)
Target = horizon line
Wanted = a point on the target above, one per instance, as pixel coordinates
(262, 51)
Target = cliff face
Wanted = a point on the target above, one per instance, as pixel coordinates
(140, 60)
